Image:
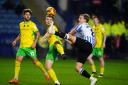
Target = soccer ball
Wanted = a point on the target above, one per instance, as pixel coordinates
(51, 11)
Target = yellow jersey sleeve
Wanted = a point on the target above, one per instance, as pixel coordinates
(55, 28)
(35, 29)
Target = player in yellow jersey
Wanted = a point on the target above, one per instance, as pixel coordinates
(55, 47)
(99, 46)
(28, 38)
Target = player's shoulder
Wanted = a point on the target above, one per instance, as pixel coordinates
(32, 23)
(79, 26)
(55, 28)
(93, 26)
(21, 22)
(101, 28)
(100, 25)
(86, 25)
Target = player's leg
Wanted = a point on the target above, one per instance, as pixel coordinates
(91, 62)
(41, 67)
(17, 66)
(84, 49)
(101, 59)
(32, 54)
(101, 67)
(50, 58)
(51, 71)
(59, 47)
(79, 68)
(69, 37)
(84, 73)
(79, 65)
(19, 58)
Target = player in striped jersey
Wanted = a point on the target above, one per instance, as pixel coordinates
(83, 39)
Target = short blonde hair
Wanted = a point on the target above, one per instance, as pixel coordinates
(86, 16)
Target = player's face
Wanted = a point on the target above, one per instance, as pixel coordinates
(96, 21)
(48, 20)
(27, 16)
(81, 19)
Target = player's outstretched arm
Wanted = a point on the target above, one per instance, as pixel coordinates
(72, 32)
(44, 38)
(48, 33)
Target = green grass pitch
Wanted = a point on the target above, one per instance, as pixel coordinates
(116, 73)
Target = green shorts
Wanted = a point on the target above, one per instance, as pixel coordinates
(98, 52)
(26, 52)
(52, 53)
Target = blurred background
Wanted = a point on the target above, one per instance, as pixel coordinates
(113, 15)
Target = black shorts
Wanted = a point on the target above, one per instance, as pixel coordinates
(83, 49)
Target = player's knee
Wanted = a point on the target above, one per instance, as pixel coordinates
(90, 61)
(88, 58)
(34, 62)
(102, 63)
(48, 67)
(102, 60)
(19, 59)
(56, 43)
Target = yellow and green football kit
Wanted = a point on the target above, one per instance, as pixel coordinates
(54, 49)
(98, 49)
(27, 37)
(99, 35)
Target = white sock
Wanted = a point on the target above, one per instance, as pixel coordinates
(66, 37)
(91, 78)
(57, 82)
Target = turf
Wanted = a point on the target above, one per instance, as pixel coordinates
(116, 73)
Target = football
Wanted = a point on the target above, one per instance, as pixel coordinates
(51, 11)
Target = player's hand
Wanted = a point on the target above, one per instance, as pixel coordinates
(51, 29)
(34, 45)
(14, 43)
